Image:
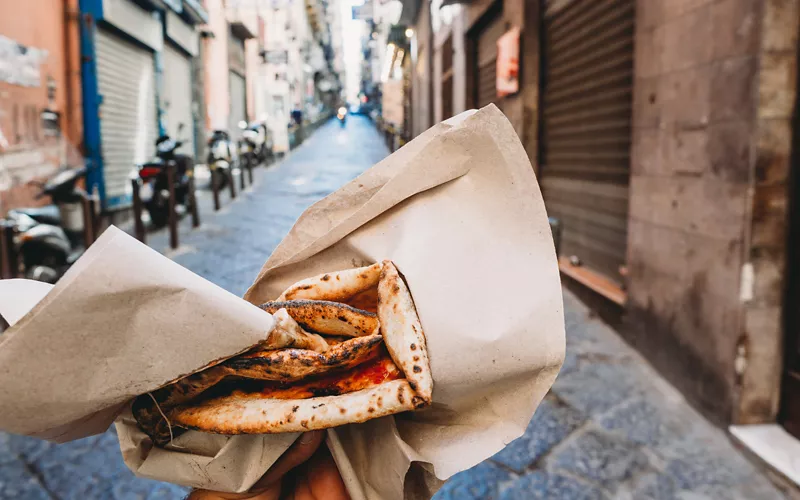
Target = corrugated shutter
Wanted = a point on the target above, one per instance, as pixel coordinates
(447, 78)
(408, 101)
(126, 81)
(586, 128)
(238, 111)
(486, 85)
(178, 96)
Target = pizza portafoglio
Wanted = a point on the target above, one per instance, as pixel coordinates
(346, 347)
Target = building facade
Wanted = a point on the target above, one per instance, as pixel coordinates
(665, 141)
(41, 126)
(138, 83)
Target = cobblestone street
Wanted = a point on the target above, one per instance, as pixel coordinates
(610, 428)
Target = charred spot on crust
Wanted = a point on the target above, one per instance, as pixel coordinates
(295, 408)
(342, 317)
(325, 391)
(313, 417)
(306, 287)
(304, 423)
(380, 400)
(396, 288)
(394, 307)
(414, 327)
(400, 396)
(342, 411)
(417, 369)
(416, 358)
(325, 278)
(337, 277)
(418, 402)
(413, 385)
(413, 347)
(371, 409)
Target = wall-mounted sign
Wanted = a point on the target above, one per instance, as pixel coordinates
(20, 65)
(508, 63)
(363, 12)
(276, 56)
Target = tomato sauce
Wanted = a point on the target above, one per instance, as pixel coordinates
(361, 377)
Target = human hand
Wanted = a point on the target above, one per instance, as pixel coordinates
(306, 471)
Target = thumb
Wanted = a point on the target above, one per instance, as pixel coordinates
(300, 451)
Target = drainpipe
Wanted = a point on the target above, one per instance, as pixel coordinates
(89, 11)
(158, 58)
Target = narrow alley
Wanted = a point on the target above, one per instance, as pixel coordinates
(610, 427)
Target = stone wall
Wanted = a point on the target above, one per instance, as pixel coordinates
(707, 118)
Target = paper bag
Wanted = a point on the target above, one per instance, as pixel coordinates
(457, 209)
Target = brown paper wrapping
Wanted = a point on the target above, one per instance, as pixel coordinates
(459, 211)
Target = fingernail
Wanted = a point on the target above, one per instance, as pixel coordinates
(307, 437)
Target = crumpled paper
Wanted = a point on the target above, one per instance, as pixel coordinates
(458, 209)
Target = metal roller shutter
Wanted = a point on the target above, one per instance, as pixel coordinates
(586, 128)
(126, 81)
(447, 78)
(486, 85)
(178, 97)
(238, 111)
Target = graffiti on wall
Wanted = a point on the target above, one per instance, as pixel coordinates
(20, 65)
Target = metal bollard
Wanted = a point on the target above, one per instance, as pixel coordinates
(241, 175)
(250, 172)
(173, 216)
(231, 183)
(556, 228)
(193, 201)
(215, 186)
(88, 219)
(9, 266)
(138, 224)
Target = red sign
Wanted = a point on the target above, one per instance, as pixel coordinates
(508, 63)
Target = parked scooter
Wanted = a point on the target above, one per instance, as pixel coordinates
(221, 156)
(255, 146)
(51, 238)
(155, 188)
(342, 115)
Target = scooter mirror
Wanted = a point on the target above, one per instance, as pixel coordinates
(242, 124)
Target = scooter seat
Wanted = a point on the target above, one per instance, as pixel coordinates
(75, 255)
(48, 214)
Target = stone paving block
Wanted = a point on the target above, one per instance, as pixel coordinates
(654, 487)
(641, 421)
(597, 387)
(17, 481)
(552, 422)
(600, 457)
(484, 481)
(27, 448)
(542, 485)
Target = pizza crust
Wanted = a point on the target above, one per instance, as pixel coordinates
(288, 333)
(328, 318)
(337, 287)
(402, 331)
(250, 414)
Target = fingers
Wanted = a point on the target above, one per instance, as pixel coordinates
(298, 453)
(269, 486)
(324, 479)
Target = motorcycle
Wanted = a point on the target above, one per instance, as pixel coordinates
(51, 238)
(342, 115)
(154, 191)
(220, 157)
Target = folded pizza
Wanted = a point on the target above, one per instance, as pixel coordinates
(346, 347)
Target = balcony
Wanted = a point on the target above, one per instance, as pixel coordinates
(242, 19)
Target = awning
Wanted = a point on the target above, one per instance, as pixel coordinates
(195, 11)
(410, 12)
